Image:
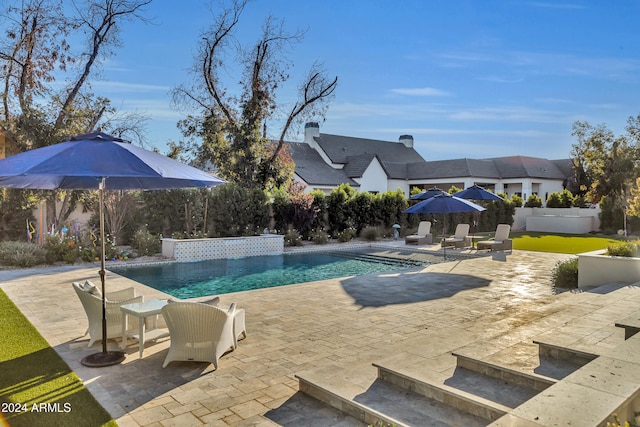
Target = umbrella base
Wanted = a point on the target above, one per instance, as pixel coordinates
(98, 360)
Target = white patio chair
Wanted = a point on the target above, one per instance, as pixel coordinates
(239, 327)
(460, 238)
(91, 300)
(422, 237)
(500, 242)
(199, 332)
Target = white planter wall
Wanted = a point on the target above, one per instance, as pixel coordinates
(595, 269)
(557, 220)
(191, 250)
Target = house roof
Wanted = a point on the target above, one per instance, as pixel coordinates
(339, 148)
(312, 169)
(453, 168)
(356, 165)
(402, 162)
(532, 167)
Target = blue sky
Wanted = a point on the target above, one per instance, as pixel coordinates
(469, 79)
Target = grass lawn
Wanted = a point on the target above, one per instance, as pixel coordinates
(37, 388)
(559, 243)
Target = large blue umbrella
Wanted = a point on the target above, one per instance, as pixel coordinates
(97, 161)
(444, 204)
(427, 194)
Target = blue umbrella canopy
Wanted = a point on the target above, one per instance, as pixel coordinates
(82, 162)
(427, 194)
(443, 204)
(475, 192)
(97, 161)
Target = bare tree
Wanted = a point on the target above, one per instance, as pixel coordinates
(232, 127)
(34, 45)
(102, 22)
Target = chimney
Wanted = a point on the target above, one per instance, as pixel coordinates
(311, 130)
(407, 140)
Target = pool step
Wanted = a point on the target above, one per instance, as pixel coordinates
(381, 259)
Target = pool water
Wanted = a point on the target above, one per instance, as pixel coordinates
(221, 276)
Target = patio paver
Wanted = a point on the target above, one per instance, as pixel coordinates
(419, 315)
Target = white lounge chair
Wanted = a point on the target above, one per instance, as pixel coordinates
(422, 237)
(239, 327)
(460, 238)
(500, 242)
(199, 332)
(91, 300)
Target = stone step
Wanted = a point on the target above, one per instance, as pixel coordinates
(631, 325)
(529, 380)
(576, 357)
(466, 390)
(385, 404)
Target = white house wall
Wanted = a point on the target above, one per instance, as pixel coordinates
(401, 184)
(374, 178)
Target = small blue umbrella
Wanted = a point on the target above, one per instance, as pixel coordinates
(427, 194)
(97, 161)
(444, 204)
(475, 192)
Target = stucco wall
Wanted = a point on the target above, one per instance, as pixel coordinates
(557, 220)
(374, 178)
(595, 269)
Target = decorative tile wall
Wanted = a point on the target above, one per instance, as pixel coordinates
(189, 250)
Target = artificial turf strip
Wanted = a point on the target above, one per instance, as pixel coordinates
(559, 243)
(37, 388)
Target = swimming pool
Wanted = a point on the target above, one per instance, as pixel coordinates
(221, 276)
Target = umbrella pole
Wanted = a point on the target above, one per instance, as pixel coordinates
(105, 358)
(444, 237)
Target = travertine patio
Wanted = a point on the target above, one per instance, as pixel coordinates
(419, 315)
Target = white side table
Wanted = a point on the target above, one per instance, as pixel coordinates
(142, 310)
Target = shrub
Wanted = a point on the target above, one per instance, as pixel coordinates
(516, 201)
(71, 256)
(292, 238)
(624, 249)
(534, 201)
(635, 422)
(319, 237)
(145, 243)
(346, 235)
(55, 249)
(565, 274)
(21, 254)
(88, 254)
(370, 233)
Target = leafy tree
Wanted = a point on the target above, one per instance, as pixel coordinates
(339, 215)
(609, 163)
(293, 208)
(320, 203)
(229, 131)
(237, 211)
(15, 211)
